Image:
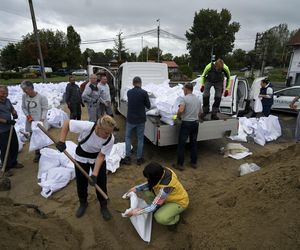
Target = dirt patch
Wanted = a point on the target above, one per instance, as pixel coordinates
(255, 211)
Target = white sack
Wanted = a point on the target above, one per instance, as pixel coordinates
(56, 117)
(117, 153)
(247, 168)
(49, 159)
(257, 105)
(153, 112)
(55, 179)
(142, 223)
(38, 138)
(63, 159)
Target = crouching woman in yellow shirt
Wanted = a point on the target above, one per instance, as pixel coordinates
(165, 195)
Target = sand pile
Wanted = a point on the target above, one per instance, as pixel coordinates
(24, 228)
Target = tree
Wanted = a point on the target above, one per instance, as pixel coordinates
(119, 48)
(167, 57)
(73, 48)
(183, 59)
(274, 45)
(9, 56)
(210, 30)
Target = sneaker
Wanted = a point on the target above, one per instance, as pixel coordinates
(214, 117)
(81, 210)
(105, 213)
(8, 173)
(126, 160)
(18, 165)
(140, 161)
(178, 167)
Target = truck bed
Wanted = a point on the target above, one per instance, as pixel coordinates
(162, 134)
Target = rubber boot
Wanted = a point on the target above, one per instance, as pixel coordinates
(105, 213)
(214, 116)
(81, 210)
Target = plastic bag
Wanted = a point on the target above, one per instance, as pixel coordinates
(142, 223)
(247, 168)
(50, 158)
(56, 117)
(38, 138)
(258, 105)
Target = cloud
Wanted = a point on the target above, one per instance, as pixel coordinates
(94, 19)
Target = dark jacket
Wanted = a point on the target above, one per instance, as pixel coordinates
(138, 99)
(266, 101)
(73, 94)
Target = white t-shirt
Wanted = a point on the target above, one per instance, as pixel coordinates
(94, 144)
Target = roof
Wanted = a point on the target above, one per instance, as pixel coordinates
(295, 40)
(171, 64)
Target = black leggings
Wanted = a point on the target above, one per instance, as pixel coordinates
(82, 182)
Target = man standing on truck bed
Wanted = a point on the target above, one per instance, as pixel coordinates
(213, 75)
(138, 99)
(189, 111)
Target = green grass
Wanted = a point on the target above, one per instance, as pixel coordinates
(39, 80)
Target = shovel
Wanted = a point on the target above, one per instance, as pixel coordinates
(4, 181)
(77, 165)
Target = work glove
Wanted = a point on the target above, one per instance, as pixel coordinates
(29, 118)
(202, 88)
(93, 182)
(61, 146)
(10, 122)
(15, 116)
(174, 117)
(226, 93)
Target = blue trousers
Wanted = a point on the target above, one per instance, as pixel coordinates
(140, 128)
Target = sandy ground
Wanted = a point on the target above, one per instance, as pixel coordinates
(255, 211)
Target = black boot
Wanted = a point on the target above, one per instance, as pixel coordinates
(105, 213)
(81, 210)
(214, 116)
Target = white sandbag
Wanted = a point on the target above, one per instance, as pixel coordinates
(55, 179)
(257, 105)
(117, 153)
(38, 138)
(247, 168)
(63, 159)
(236, 151)
(142, 223)
(153, 112)
(49, 159)
(56, 117)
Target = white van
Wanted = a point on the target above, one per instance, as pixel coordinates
(237, 102)
(158, 132)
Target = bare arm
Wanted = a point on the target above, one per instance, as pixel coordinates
(181, 110)
(292, 104)
(64, 131)
(98, 164)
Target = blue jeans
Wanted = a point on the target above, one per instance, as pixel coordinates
(140, 127)
(187, 130)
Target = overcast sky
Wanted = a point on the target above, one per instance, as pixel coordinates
(94, 19)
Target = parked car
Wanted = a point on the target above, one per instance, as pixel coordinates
(80, 72)
(37, 68)
(283, 98)
(62, 72)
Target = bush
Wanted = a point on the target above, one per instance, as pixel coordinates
(29, 75)
(10, 75)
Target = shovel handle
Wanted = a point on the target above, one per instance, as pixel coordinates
(7, 149)
(77, 165)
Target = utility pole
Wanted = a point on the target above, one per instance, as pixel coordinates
(37, 41)
(265, 49)
(119, 45)
(142, 50)
(158, 20)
